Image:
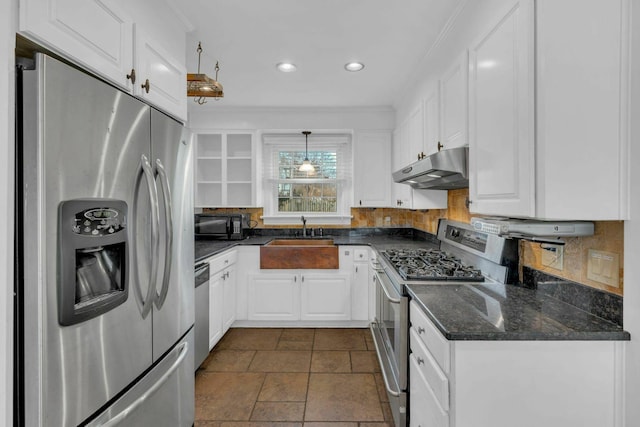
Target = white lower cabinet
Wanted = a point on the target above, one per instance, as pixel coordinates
(360, 285)
(311, 297)
(299, 296)
(425, 409)
(222, 295)
(229, 297)
(511, 383)
(216, 294)
(273, 296)
(325, 297)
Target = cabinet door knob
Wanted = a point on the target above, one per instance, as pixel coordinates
(146, 86)
(356, 268)
(420, 330)
(420, 360)
(295, 279)
(132, 76)
(440, 146)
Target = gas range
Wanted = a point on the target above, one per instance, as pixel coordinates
(464, 255)
(431, 264)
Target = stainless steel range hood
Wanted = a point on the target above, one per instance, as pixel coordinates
(444, 170)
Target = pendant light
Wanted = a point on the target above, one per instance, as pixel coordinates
(306, 165)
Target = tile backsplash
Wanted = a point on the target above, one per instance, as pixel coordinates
(608, 236)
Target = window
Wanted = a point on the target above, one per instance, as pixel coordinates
(289, 193)
(304, 191)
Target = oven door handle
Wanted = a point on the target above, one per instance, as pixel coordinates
(382, 280)
(391, 391)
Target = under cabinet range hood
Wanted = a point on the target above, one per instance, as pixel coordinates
(531, 229)
(444, 170)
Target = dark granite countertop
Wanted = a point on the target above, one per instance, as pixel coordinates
(508, 312)
(207, 248)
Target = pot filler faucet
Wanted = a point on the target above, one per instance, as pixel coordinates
(304, 226)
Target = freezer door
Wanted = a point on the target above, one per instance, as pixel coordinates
(82, 139)
(164, 397)
(171, 150)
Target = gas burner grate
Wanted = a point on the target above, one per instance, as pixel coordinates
(431, 264)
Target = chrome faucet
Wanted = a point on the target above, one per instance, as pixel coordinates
(304, 226)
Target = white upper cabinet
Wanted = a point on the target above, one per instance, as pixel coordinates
(93, 33)
(415, 136)
(99, 35)
(409, 147)
(401, 193)
(162, 78)
(571, 163)
(432, 121)
(501, 102)
(453, 104)
(372, 170)
(582, 111)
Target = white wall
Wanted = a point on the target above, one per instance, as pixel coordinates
(631, 314)
(218, 117)
(8, 23)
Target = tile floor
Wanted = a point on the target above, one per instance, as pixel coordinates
(290, 377)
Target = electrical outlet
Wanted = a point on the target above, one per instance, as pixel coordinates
(552, 256)
(604, 267)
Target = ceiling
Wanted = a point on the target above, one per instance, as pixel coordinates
(249, 37)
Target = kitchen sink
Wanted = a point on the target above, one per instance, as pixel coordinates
(299, 254)
(301, 242)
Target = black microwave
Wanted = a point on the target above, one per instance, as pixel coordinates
(222, 226)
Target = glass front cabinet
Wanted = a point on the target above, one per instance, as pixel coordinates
(225, 167)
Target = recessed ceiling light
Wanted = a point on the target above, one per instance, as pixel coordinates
(354, 66)
(286, 67)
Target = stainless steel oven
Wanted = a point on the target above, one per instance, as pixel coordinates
(390, 335)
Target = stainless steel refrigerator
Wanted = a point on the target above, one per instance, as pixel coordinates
(106, 226)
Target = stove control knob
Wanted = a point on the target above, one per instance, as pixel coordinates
(455, 233)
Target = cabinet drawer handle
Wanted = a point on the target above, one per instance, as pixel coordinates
(302, 278)
(132, 76)
(146, 86)
(420, 360)
(420, 330)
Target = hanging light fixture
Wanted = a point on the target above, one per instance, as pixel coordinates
(306, 165)
(200, 86)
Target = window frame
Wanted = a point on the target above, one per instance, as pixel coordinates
(274, 143)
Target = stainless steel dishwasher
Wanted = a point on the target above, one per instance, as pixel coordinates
(201, 327)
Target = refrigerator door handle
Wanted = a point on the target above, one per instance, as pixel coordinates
(168, 208)
(182, 350)
(147, 302)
